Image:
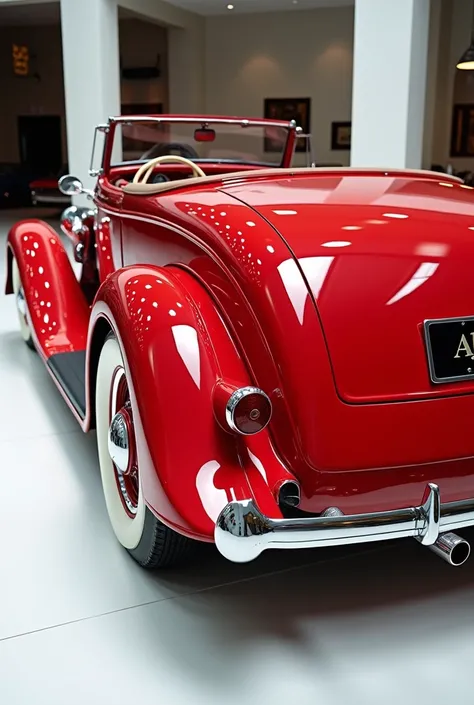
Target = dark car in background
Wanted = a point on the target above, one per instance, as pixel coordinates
(14, 186)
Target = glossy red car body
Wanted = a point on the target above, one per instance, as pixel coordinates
(311, 284)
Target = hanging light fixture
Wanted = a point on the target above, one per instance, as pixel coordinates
(466, 62)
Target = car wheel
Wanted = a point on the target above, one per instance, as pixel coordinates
(146, 538)
(21, 306)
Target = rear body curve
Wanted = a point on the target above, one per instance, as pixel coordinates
(302, 251)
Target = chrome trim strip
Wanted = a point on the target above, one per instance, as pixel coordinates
(164, 224)
(243, 532)
(99, 128)
(243, 122)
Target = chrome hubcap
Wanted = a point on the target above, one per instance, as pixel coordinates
(121, 443)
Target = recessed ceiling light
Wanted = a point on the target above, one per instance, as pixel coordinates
(230, 7)
(295, 2)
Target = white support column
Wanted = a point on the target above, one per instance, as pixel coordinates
(389, 83)
(91, 75)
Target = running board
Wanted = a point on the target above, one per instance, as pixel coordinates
(69, 369)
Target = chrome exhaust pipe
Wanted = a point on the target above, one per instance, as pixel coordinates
(452, 548)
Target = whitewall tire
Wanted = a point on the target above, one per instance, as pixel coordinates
(21, 306)
(148, 540)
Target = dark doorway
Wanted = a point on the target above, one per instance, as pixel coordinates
(40, 143)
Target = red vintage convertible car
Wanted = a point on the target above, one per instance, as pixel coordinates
(272, 357)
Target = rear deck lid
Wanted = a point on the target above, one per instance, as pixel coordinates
(381, 254)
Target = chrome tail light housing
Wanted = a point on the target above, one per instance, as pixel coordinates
(243, 410)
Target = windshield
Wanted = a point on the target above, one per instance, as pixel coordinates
(262, 145)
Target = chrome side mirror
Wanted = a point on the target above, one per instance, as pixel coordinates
(72, 186)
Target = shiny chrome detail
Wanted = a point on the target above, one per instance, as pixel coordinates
(72, 186)
(452, 548)
(119, 450)
(431, 365)
(209, 121)
(332, 512)
(73, 222)
(242, 532)
(235, 398)
(432, 510)
(79, 251)
(75, 216)
(99, 128)
(289, 493)
(119, 442)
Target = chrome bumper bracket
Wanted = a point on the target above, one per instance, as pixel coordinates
(242, 532)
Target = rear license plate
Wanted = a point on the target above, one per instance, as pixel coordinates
(450, 346)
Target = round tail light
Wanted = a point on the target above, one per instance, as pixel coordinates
(248, 410)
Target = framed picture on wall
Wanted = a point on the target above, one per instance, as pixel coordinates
(341, 135)
(462, 132)
(297, 109)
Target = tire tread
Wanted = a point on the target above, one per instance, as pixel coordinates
(160, 546)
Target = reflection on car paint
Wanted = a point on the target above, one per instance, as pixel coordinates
(213, 499)
(187, 345)
(422, 274)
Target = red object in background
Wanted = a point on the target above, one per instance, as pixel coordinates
(311, 285)
(46, 192)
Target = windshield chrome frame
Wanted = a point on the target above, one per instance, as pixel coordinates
(294, 132)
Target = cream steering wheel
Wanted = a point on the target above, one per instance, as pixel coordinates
(146, 169)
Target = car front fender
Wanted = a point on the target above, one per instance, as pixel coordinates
(58, 310)
(176, 348)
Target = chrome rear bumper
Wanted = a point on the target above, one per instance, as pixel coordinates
(242, 532)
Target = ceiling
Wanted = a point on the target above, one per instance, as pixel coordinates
(37, 13)
(43, 13)
(219, 7)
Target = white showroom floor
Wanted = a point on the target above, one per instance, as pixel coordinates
(80, 622)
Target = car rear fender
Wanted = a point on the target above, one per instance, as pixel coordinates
(58, 311)
(176, 349)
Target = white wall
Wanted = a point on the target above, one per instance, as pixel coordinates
(283, 55)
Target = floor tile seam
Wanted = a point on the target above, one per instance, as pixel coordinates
(178, 596)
